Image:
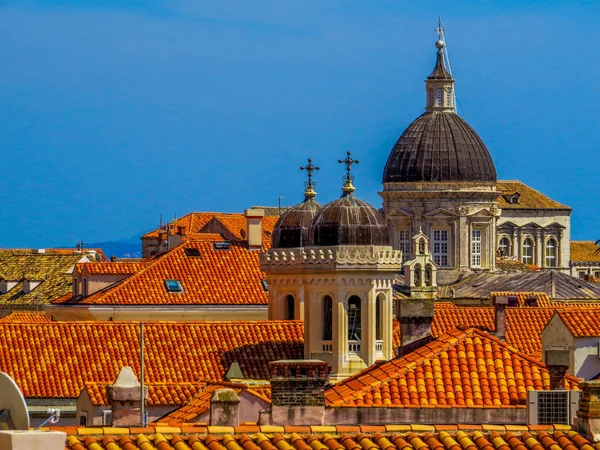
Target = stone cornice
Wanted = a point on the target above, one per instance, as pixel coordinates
(361, 257)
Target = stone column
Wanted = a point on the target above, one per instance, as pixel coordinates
(340, 330)
(388, 318)
(538, 249)
(368, 323)
(463, 241)
(516, 250)
(299, 305)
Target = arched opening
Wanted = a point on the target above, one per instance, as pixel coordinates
(379, 302)
(430, 94)
(527, 251)
(417, 271)
(327, 318)
(421, 246)
(440, 97)
(551, 253)
(428, 275)
(504, 247)
(449, 97)
(289, 307)
(354, 318)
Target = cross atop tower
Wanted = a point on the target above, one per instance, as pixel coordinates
(440, 29)
(348, 178)
(309, 185)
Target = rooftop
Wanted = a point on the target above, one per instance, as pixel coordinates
(528, 198)
(585, 251)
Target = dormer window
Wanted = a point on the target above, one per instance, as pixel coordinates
(30, 285)
(514, 198)
(6, 286)
(173, 286)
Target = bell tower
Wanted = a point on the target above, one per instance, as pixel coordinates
(439, 85)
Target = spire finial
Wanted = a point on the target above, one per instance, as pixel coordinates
(309, 192)
(440, 85)
(348, 178)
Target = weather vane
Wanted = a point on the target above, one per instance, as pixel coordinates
(348, 178)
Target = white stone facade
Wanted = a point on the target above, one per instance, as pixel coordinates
(344, 296)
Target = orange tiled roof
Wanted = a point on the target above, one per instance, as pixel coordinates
(159, 394)
(111, 268)
(384, 437)
(582, 322)
(56, 359)
(26, 316)
(585, 251)
(234, 223)
(220, 277)
(529, 198)
(201, 402)
(460, 369)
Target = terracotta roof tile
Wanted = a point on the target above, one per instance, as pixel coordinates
(54, 360)
(582, 322)
(585, 251)
(111, 268)
(26, 316)
(528, 199)
(159, 394)
(228, 276)
(471, 369)
(331, 437)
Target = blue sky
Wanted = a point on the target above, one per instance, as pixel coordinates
(112, 113)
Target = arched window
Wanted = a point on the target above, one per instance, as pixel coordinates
(354, 317)
(417, 271)
(448, 97)
(327, 318)
(430, 94)
(289, 307)
(504, 247)
(428, 275)
(379, 317)
(440, 97)
(527, 251)
(551, 253)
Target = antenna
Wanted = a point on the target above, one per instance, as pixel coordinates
(279, 203)
(13, 409)
(441, 32)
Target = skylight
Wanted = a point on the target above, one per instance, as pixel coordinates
(192, 251)
(173, 286)
(221, 245)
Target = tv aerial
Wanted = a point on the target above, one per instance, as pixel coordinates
(13, 409)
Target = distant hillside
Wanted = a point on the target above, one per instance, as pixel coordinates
(119, 249)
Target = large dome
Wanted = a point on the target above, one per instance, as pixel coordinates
(439, 146)
(292, 228)
(348, 221)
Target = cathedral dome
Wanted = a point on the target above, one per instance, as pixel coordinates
(439, 146)
(348, 221)
(292, 228)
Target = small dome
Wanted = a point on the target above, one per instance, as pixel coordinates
(348, 221)
(439, 146)
(292, 228)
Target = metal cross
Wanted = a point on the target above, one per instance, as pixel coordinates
(310, 168)
(440, 29)
(348, 161)
(80, 245)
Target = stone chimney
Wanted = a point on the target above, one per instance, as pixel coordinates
(22, 439)
(500, 304)
(557, 363)
(298, 391)
(225, 408)
(254, 227)
(124, 397)
(588, 414)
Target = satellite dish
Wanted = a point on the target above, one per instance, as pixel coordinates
(13, 409)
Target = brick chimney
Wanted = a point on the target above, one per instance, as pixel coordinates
(298, 391)
(588, 414)
(557, 363)
(225, 408)
(254, 227)
(124, 397)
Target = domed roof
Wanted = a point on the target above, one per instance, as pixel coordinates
(292, 228)
(439, 146)
(348, 221)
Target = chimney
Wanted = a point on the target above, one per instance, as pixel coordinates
(557, 363)
(298, 391)
(588, 414)
(254, 227)
(500, 303)
(124, 399)
(20, 439)
(225, 408)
